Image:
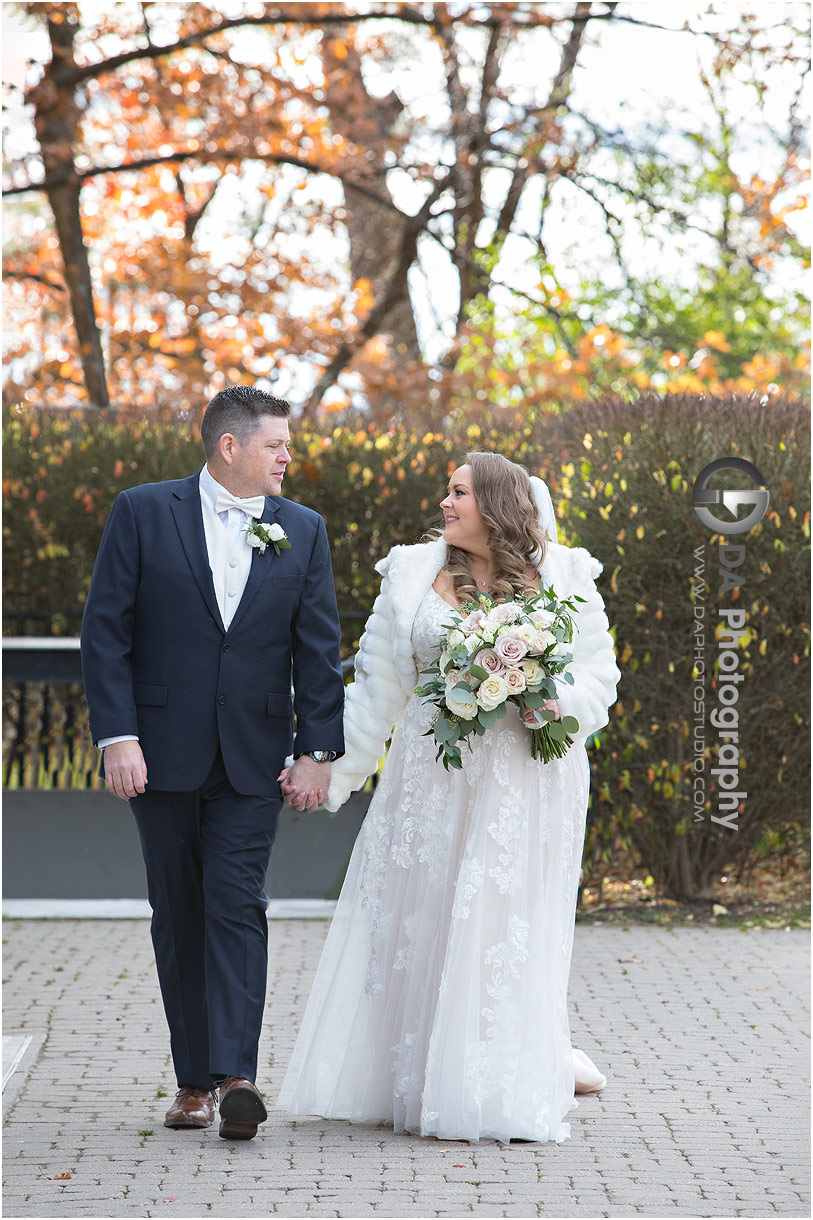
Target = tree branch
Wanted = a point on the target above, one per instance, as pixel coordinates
(205, 158)
(74, 75)
(393, 293)
(14, 273)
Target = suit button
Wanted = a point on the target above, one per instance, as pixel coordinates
(226, 647)
(221, 698)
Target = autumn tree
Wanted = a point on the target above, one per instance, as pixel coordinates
(270, 195)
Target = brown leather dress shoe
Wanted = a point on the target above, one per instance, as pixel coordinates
(191, 1108)
(241, 1109)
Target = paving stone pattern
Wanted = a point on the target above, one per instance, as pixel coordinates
(704, 1042)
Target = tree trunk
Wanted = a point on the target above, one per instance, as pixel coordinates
(374, 232)
(56, 119)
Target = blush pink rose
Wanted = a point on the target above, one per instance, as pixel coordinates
(530, 718)
(510, 648)
(504, 612)
(515, 681)
(472, 621)
(489, 660)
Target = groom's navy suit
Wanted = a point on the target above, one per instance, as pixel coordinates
(213, 712)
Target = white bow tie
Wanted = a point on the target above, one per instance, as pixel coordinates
(254, 506)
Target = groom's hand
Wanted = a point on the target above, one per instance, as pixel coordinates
(305, 784)
(125, 770)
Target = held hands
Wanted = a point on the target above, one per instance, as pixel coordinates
(305, 784)
(125, 771)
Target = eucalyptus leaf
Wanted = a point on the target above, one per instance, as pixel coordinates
(445, 731)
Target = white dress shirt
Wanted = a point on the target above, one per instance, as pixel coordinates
(229, 560)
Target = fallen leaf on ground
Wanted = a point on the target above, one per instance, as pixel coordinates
(640, 960)
(60, 1177)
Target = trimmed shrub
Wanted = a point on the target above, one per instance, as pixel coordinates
(621, 475)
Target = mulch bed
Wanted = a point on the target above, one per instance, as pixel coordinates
(773, 894)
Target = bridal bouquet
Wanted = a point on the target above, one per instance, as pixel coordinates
(493, 655)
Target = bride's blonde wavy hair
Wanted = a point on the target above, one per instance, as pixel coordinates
(506, 502)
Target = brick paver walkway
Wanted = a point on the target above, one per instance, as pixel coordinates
(704, 1042)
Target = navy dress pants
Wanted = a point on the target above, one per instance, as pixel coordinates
(206, 854)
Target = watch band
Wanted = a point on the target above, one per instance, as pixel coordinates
(320, 756)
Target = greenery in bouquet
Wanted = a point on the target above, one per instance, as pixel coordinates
(494, 654)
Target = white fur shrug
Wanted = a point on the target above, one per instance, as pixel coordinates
(386, 673)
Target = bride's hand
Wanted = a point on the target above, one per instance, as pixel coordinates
(305, 784)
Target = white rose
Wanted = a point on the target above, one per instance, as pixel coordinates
(492, 692)
(276, 532)
(472, 643)
(560, 649)
(455, 637)
(533, 671)
(543, 640)
(461, 703)
(526, 632)
(543, 618)
(253, 540)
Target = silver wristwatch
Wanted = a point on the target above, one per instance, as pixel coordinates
(321, 756)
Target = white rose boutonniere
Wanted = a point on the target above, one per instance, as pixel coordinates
(262, 534)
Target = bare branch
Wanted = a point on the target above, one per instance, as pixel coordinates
(13, 273)
(205, 158)
(397, 285)
(75, 74)
(665, 209)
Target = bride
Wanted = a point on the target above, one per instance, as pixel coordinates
(440, 1001)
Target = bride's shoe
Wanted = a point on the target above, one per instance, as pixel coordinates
(588, 1078)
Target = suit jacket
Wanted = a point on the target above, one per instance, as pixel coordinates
(157, 660)
(386, 673)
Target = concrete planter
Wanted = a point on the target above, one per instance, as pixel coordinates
(69, 843)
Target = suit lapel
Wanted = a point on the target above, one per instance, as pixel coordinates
(260, 565)
(188, 515)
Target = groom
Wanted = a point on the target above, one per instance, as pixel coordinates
(193, 631)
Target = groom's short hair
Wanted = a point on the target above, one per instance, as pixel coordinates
(238, 410)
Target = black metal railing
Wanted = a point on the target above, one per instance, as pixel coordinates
(46, 736)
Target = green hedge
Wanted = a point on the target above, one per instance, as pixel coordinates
(620, 474)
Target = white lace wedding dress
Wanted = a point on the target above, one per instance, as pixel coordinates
(440, 1001)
